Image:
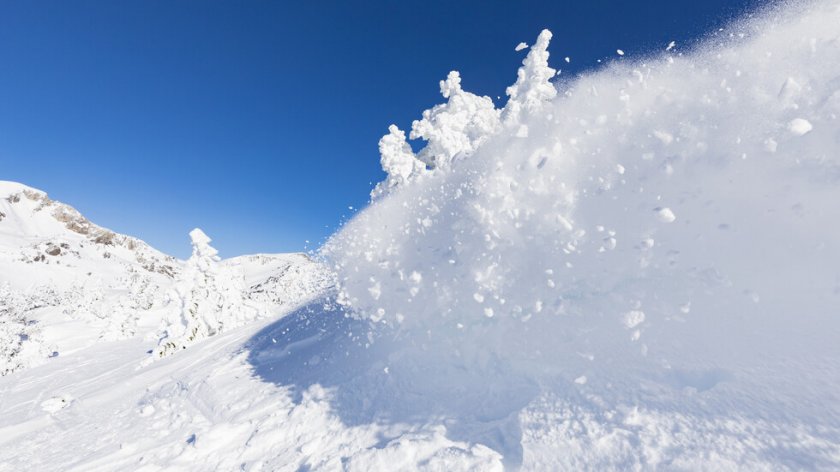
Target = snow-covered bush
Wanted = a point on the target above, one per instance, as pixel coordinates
(208, 299)
(20, 343)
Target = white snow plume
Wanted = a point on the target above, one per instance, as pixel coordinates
(573, 239)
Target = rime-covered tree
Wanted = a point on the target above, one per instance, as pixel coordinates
(533, 87)
(209, 298)
(455, 127)
(398, 161)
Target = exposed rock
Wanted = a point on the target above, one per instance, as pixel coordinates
(148, 258)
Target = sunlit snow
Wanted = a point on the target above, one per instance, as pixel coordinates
(631, 269)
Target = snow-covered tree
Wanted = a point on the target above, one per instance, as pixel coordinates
(461, 124)
(209, 298)
(533, 87)
(455, 127)
(398, 161)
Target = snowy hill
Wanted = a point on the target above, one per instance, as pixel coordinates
(635, 269)
(66, 283)
(43, 240)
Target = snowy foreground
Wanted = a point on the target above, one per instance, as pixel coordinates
(634, 269)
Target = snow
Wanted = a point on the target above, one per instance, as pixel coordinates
(673, 302)
(615, 287)
(521, 46)
(666, 215)
(799, 126)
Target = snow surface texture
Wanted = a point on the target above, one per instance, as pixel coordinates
(633, 269)
(665, 229)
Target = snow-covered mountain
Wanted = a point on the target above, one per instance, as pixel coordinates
(66, 283)
(635, 269)
(43, 241)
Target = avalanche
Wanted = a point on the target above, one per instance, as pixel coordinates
(636, 231)
(631, 269)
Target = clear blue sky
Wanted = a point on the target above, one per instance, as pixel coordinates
(258, 121)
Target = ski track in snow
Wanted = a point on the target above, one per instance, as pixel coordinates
(633, 269)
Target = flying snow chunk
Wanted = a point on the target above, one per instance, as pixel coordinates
(664, 137)
(665, 215)
(521, 46)
(634, 318)
(671, 45)
(56, 403)
(619, 52)
(770, 145)
(799, 126)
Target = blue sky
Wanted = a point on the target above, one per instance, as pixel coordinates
(258, 121)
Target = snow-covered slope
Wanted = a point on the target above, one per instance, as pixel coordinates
(66, 283)
(43, 241)
(635, 269)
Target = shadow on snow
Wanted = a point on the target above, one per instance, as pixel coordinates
(378, 375)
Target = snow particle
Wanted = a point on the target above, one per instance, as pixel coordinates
(665, 215)
(665, 138)
(520, 46)
(770, 145)
(799, 126)
(634, 318)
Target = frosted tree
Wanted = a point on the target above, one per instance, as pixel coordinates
(533, 86)
(209, 299)
(455, 127)
(20, 343)
(12, 330)
(461, 124)
(398, 161)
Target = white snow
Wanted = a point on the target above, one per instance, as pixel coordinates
(616, 289)
(521, 46)
(799, 126)
(666, 215)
